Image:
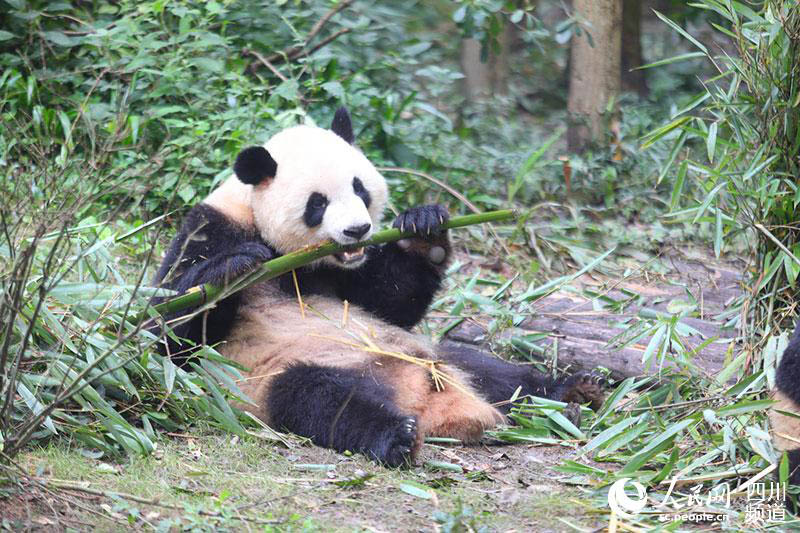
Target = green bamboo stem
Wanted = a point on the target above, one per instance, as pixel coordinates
(273, 268)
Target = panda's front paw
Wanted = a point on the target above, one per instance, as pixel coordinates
(255, 250)
(397, 446)
(244, 258)
(583, 388)
(431, 240)
(425, 220)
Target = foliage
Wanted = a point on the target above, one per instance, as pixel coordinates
(71, 361)
(684, 426)
(484, 20)
(459, 520)
(745, 126)
(186, 83)
(733, 163)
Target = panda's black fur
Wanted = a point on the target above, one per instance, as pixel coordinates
(305, 376)
(785, 428)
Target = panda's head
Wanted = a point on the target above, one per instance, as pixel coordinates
(311, 185)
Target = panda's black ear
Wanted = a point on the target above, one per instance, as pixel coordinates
(254, 164)
(342, 126)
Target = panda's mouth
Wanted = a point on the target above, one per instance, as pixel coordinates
(351, 257)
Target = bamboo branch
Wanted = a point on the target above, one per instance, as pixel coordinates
(329, 39)
(461, 198)
(266, 62)
(203, 294)
(325, 18)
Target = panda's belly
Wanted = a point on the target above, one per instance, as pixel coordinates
(271, 332)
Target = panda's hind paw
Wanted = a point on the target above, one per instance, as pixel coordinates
(584, 387)
(402, 442)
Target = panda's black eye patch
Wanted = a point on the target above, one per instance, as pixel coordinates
(361, 191)
(315, 209)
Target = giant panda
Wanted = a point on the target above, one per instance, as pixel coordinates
(785, 427)
(328, 368)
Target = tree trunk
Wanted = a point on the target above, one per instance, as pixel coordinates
(594, 70)
(482, 80)
(477, 74)
(500, 61)
(632, 80)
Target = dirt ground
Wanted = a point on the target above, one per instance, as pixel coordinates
(490, 486)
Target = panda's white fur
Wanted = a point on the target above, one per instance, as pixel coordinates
(310, 159)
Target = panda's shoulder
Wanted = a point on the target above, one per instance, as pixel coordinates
(205, 232)
(209, 222)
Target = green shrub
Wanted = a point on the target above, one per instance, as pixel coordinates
(735, 152)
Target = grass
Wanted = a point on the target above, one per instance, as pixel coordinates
(298, 488)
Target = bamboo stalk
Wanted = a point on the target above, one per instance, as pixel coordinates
(202, 294)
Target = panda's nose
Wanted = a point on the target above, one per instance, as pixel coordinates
(357, 232)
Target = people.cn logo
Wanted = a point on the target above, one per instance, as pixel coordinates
(622, 504)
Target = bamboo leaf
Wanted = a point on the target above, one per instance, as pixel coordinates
(717, 230)
(530, 162)
(564, 423)
(711, 141)
(35, 405)
(744, 406)
(655, 446)
(683, 32)
(677, 188)
(610, 433)
(552, 286)
(653, 347)
(445, 466)
(707, 201)
(417, 489)
(658, 133)
(169, 374)
(673, 59)
(615, 397)
(672, 155)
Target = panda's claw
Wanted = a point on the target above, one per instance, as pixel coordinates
(423, 220)
(584, 387)
(573, 413)
(399, 451)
